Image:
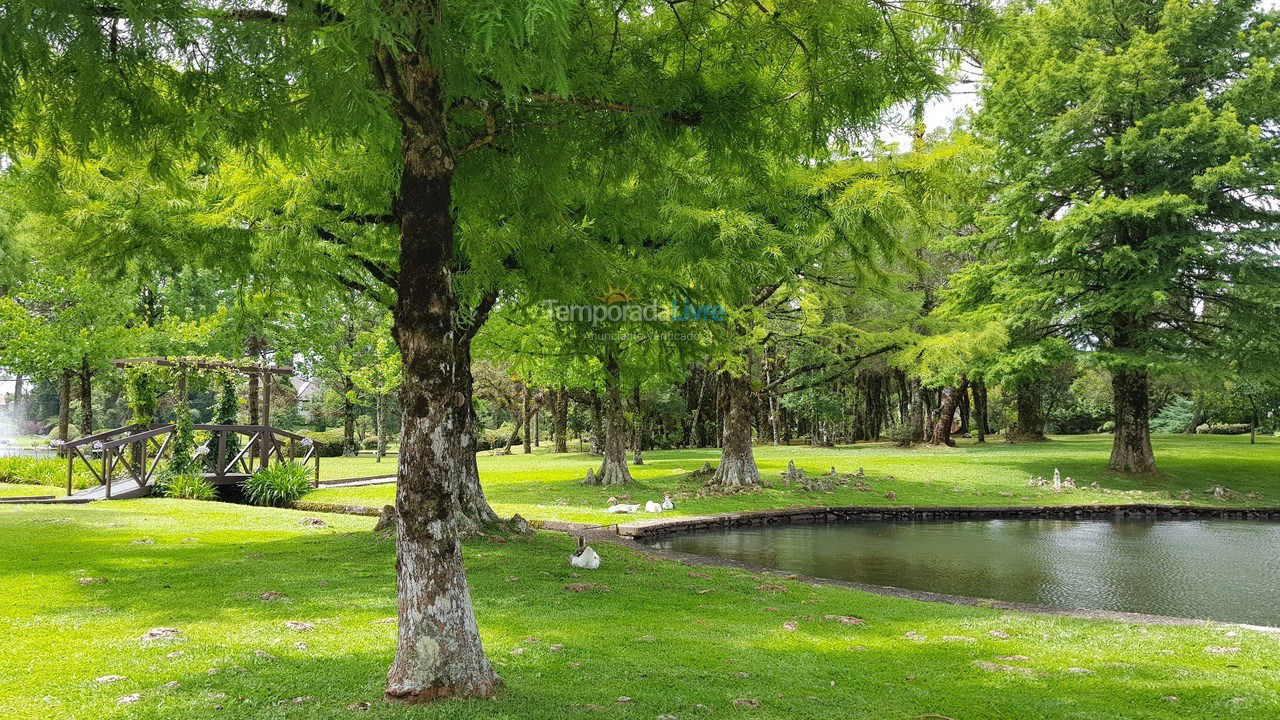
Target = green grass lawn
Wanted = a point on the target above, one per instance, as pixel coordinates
(547, 486)
(12, 490)
(676, 640)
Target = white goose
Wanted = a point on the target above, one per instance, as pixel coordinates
(584, 557)
(653, 507)
(667, 504)
(622, 508)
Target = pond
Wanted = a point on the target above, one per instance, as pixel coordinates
(1227, 570)
(18, 451)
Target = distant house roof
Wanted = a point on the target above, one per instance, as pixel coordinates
(306, 388)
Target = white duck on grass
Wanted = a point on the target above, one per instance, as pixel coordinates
(584, 557)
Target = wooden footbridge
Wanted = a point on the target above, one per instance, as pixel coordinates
(126, 460)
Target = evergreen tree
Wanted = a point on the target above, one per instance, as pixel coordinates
(1133, 155)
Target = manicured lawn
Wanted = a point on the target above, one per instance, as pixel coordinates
(675, 640)
(12, 490)
(547, 486)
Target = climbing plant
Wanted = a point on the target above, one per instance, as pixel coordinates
(228, 409)
(183, 446)
(143, 386)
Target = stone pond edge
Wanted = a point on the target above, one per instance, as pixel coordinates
(633, 536)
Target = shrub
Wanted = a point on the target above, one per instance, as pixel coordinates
(897, 432)
(1174, 417)
(1222, 429)
(43, 471)
(328, 443)
(187, 486)
(1108, 426)
(73, 431)
(278, 485)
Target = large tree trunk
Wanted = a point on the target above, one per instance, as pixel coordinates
(560, 420)
(1197, 415)
(438, 649)
(471, 510)
(980, 421)
(697, 410)
(947, 413)
(526, 443)
(254, 356)
(19, 399)
(1131, 447)
(737, 466)
(597, 426)
(637, 428)
(1029, 425)
(613, 471)
(380, 416)
(511, 438)
(349, 445)
(86, 397)
(64, 405)
(917, 415)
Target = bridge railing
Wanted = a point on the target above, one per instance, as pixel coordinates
(139, 451)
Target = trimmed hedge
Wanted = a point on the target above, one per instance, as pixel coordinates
(328, 443)
(1223, 429)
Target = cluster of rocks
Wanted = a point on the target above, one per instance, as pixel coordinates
(1059, 483)
(827, 481)
(722, 490)
(1220, 492)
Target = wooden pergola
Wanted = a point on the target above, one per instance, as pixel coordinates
(116, 447)
(259, 372)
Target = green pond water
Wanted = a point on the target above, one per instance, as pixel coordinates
(1227, 570)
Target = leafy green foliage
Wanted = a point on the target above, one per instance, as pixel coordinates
(278, 485)
(42, 471)
(186, 486)
(327, 443)
(1174, 417)
(182, 448)
(143, 386)
(1129, 157)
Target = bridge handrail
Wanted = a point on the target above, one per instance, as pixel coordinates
(112, 451)
(99, 436)
(155, 431)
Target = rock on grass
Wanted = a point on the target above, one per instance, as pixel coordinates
(155, 634)
(587, 587)
(997, 667)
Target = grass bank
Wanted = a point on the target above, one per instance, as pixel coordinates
(82, 584)
(547, 486)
